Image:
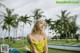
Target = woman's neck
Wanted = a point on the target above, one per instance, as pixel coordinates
(38, 32)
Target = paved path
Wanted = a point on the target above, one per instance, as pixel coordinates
(72, 48)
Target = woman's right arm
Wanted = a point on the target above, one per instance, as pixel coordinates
(32, 45)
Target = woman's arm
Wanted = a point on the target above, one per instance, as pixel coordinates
(32, 45)
(46, 49)
(46, 46)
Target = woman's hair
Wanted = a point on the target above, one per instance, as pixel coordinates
(35, 27)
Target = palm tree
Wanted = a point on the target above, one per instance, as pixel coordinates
(64, 22)
(15, 24)
(74, 27)
(37, 14)
(9, 20)
(57, 27)
(25, 19)
(49, 23)
(2, 5)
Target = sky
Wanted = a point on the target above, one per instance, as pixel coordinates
(50, 8)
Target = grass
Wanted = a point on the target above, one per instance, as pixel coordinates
(60, 51)
(21, 47)
(70, 42)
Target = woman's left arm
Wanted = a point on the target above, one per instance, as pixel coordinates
(46, 46)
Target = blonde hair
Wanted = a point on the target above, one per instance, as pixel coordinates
(35, 27)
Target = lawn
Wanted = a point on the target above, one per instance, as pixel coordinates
(70, 42)
(21, 47)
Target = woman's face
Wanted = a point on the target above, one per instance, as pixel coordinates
(40, 25)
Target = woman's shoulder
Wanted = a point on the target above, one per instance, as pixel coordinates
(29, 35)
(29, 38)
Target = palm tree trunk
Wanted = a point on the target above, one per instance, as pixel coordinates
(23, 34)
(9, 35)
(66, 38)
(4, 37)
(16, 33)
(56, 36)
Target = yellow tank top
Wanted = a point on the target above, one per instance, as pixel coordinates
(39, 45)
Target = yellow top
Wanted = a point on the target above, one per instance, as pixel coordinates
(39, 45)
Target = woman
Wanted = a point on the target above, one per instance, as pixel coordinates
(37, 38)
